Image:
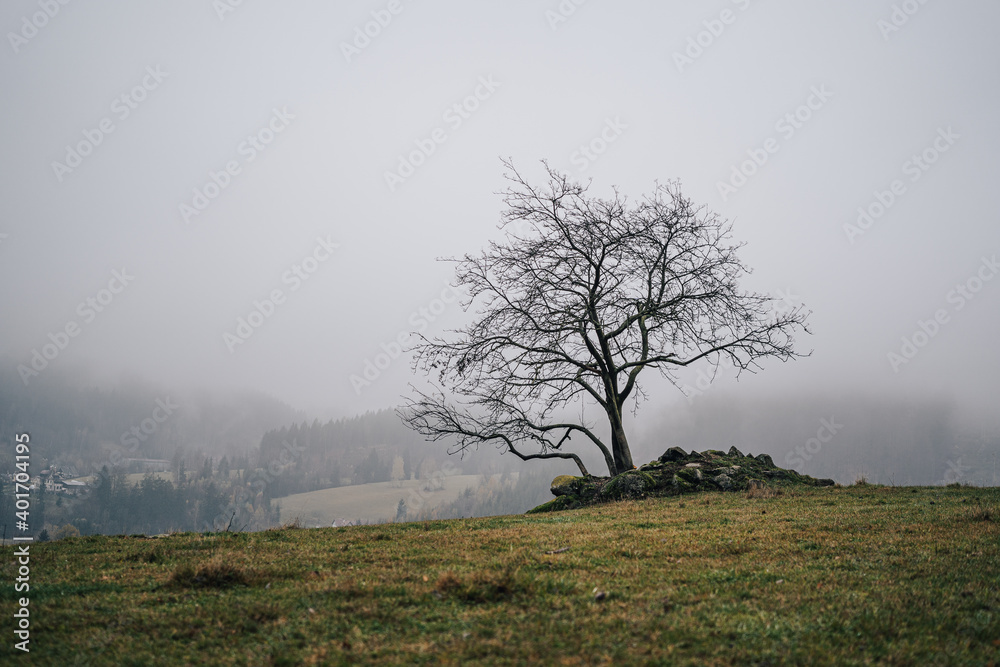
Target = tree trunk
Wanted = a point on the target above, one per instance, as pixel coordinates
(619, 444)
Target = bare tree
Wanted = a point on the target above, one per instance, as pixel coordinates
(581, 296)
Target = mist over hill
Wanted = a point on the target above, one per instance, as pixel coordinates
(158, 459)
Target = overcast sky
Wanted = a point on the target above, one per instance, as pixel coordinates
(192, 158)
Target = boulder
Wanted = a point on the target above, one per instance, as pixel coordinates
(583, 489)
(723, 481)
(631, 484)
(765, 459)
(689, 475)
(735, 452)
(673, 454)
(563, 485)
(681, 486)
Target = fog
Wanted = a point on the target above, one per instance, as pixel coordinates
(194, 169)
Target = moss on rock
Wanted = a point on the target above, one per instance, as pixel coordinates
(676, 472)
(556, 504)
(631, 484)
(690, 475)
(563, 485)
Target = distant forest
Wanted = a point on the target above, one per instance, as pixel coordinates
(227, 457)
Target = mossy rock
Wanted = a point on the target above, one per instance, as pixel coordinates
(557, 504)
(563, 485)
(568, 485)
(587, 487)
(692, 476)
(724, 482)
(681, 485)
(766, 460)
(673, 454)
(676, 472)
(631, 484)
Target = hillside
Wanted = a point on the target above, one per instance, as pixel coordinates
(831, 575)
(372, 502)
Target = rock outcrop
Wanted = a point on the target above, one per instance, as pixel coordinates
(674, 473)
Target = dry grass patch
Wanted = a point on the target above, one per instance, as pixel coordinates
(221, 571)
(762, 491)
(982, 513)
(485, 586)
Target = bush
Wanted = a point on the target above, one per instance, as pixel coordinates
(69, 530)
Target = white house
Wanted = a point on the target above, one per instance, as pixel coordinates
(74, 487)
(54, 485)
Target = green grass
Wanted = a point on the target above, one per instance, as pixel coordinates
(859, 575)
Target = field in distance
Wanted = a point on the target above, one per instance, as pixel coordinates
(371, 502)
(133, 478)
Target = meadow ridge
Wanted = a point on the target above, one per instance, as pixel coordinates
(836, 575)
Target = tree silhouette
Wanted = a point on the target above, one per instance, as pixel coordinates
(581, 296)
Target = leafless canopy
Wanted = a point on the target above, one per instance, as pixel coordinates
(581, 296)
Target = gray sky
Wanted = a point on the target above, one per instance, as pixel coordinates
(332, 113)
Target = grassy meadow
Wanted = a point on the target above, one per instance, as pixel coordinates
(848, 576)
